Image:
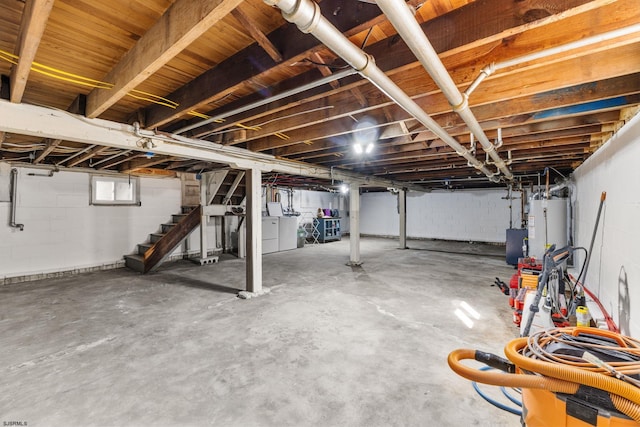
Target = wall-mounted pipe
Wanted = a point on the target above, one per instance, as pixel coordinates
(402, 17)
(493, 67)
(306, 15)
(14, 201)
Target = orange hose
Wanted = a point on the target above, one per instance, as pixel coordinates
(506, 380)
(556, 377)
(626, 407)
(570, 373)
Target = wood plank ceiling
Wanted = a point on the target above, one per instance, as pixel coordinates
(171, 64)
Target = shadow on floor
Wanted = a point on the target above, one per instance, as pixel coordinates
(191, 282)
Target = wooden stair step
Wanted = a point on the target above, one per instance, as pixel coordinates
(134, 262)
(154, 237)
(144, 247)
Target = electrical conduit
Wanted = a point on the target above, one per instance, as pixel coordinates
(402, 17)
(306, 15)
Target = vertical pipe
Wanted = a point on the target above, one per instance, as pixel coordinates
(203, 219)
(254, 231)
(402, 210)
(354, 224)
(603, 197)
(14, 200)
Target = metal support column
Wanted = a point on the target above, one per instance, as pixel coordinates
(354, 224)
(203, 220)
(402, 211)
(254, 231)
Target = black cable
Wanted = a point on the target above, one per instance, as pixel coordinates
(333, 67)
(366, 38)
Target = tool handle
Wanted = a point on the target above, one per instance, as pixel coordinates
(603, 196)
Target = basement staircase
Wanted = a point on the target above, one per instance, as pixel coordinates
(160, 245)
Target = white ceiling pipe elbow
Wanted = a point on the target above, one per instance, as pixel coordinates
(306, 15)
(402, 18)
(587, 41)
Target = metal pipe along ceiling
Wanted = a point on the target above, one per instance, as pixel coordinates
(265, 101)
(306, 15)
(402, 18)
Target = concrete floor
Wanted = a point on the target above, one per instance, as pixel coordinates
(331, 345)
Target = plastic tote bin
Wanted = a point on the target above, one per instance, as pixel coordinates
(302, 236)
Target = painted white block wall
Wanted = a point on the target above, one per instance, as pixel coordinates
(614, 272)
(471, 215)
(307, 203)
(63, 232)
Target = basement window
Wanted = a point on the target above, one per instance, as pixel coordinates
(115, 191)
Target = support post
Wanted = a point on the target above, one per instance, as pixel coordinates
(354, 224)
(254, 231)
(203, 218)
(402, 211)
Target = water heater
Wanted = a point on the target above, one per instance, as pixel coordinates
(547, 225)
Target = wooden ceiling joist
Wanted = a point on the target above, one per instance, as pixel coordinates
(394, 56)
(51, 145)
(263, 41)
(92, 153)
(182, 23)
(254, 61)
(34, 20)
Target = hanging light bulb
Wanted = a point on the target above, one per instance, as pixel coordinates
(357, 147)
(369, 148)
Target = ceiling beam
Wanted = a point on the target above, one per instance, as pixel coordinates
(350, 18)
(514, 125)
(39, 121)
(86, 156)
(51, 145)
(120, 161)
(602, 66)
(480, 36)
(141, 163)
(245, 20)
(184, 22)
(2, 136)
(34, 20)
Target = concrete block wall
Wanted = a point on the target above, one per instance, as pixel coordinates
(471, 215)
(307, 203)
(614, 271)
(62, 232)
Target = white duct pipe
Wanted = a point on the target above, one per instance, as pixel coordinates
(306, 15)
(493, 67)
(402, 17)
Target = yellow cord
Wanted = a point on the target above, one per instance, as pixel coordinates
(146, 96)
(282, 136)
(85, 81)
(204, 116)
